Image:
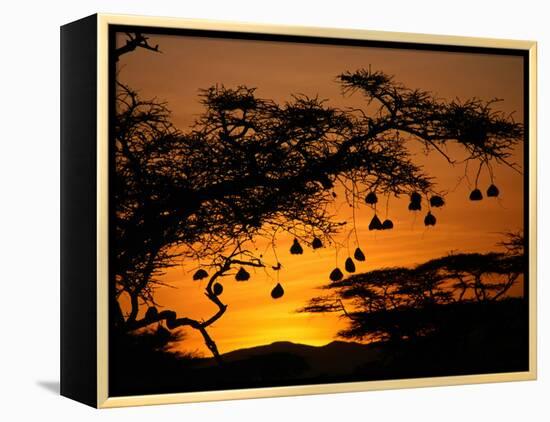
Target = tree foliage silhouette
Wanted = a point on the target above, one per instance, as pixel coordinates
(250, 167)
(397, 303)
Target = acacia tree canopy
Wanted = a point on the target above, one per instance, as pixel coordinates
(402, 302)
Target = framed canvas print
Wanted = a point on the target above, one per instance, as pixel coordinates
(253, 211)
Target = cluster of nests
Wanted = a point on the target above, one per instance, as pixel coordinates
(492, 192)
(241, 275)
(349, 265)
(336, 274)
(415, 204)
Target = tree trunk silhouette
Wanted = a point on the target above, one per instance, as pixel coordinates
(171, 319)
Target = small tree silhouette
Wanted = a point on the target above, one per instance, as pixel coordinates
(398, 303)
(250, 168)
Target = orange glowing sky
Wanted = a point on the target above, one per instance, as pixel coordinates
(187, 64)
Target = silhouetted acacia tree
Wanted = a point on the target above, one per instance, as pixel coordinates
(250, 168)
(400, 302)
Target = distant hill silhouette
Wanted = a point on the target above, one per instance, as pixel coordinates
(481, 338)
(333, 359)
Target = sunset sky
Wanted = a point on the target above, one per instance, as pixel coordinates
(278, 70)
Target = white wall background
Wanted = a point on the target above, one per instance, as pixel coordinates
(29, 208)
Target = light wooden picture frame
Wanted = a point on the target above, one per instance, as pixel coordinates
(260, 211)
